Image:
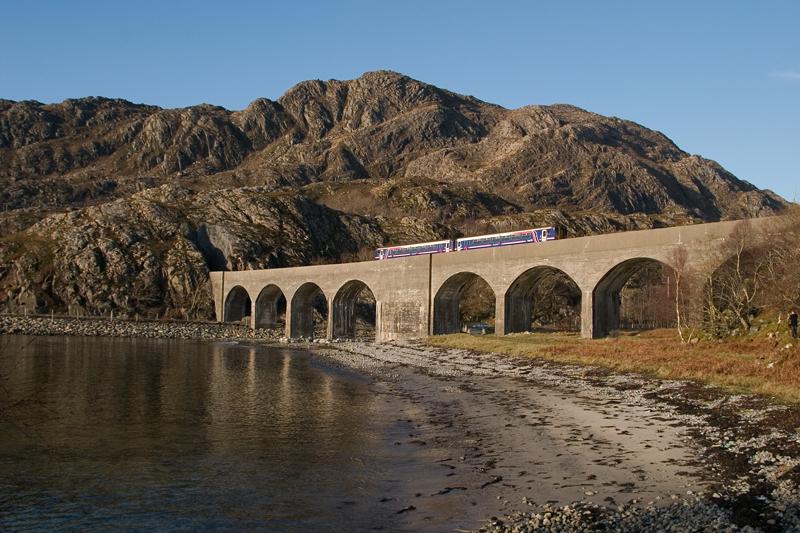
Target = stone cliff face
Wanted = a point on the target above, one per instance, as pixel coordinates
(109, 205)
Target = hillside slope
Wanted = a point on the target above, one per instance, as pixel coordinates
(108, 205)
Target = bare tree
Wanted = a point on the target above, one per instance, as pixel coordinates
(740, 289)
(782, 263)
(738, 282)
(686, 298)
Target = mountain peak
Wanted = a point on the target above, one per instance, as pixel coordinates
(101, 193)
(382, 125)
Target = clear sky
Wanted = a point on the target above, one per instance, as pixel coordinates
(720, 78)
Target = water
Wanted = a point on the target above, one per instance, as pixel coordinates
(156, 434)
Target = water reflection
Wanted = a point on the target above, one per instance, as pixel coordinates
(179, 434)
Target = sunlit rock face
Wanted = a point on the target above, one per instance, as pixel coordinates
(109, 205)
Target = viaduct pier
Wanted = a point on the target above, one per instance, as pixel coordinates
(419, 296)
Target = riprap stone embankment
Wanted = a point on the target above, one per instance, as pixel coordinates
(155, 329)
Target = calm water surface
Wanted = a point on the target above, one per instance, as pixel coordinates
(187, 435)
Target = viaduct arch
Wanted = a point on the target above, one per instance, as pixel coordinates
(343, 309)
(237, 305)
(419, 296)
(606, 293)
(519, 298)
(301, 324)
(268, 307)
(446, 303)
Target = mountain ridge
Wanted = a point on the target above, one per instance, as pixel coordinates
(384, 158)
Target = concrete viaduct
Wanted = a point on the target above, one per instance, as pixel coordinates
(419, 296)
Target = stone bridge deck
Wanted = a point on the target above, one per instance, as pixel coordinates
(419, 296)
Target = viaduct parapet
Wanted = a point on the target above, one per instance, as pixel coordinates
(419, 296)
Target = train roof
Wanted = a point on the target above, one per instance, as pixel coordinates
(444, 241)
(503, 234)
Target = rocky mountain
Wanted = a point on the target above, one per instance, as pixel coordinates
(109, 205)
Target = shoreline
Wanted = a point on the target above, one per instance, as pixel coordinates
(504, 422)
(125, 328)
(743, 462)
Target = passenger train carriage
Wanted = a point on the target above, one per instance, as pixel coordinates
(468, 243)
(435, 247)
(506, 239)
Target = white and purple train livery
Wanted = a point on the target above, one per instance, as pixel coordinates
(506, 239)
(435, 247)
(468, 243)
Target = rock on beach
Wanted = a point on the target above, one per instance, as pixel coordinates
(153, 329)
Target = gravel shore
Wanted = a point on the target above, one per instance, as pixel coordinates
(148, 329)
(745, 450)
(555, 447)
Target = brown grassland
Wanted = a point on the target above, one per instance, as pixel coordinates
(753, 364)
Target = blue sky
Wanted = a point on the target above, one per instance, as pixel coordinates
(721, 79)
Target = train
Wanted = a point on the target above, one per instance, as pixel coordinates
(508, 238)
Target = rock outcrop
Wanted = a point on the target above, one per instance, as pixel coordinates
(109, 205)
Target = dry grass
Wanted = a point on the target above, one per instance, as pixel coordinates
(755, 365)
